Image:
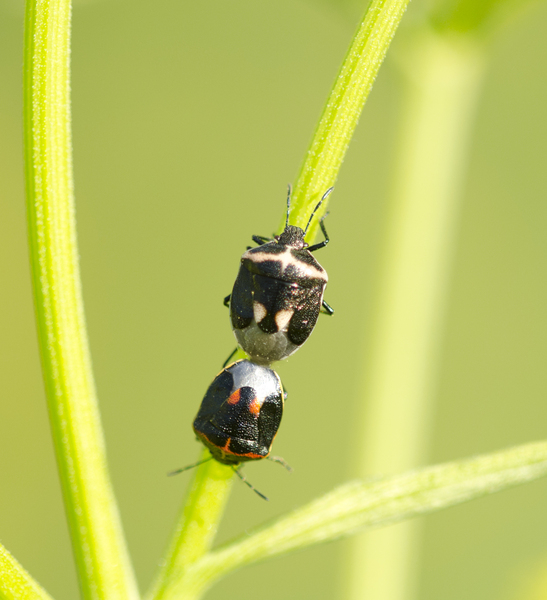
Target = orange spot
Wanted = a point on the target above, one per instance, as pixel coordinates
(250, 455)
(225, 449)
(234, 398)
(255, 406)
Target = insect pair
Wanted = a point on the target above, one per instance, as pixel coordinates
(274, 306)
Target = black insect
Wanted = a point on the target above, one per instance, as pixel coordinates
(240, 414)
(278, 293)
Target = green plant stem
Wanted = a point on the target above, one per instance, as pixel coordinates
(318, 172)
(343, 108)
(15, 582)
(443, 75)
(197, 524)
(363, 505)
(101, 557)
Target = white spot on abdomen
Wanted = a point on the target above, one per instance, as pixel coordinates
(282, 319)
(259, 311)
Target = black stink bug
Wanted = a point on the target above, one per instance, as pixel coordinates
(240, 414)
(278, 293)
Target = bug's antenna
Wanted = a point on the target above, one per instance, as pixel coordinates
(289, 189)
(325, 196)
(244, 479)
(200, 462)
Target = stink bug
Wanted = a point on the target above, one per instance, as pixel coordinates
(278, 293)
(240, 413)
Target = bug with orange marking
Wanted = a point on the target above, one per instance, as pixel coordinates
(241, 412)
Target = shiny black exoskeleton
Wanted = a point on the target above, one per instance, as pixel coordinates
(278, 293)
(240, 413)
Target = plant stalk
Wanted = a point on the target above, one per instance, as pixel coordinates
(99, 548)
(343, 109)
(443, 77)
(318, 172)
(365, 505)
(197, 524)
(16, 583)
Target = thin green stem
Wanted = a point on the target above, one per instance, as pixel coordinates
(443, 78)
(15, 582)
(198, 522)
(364, 505)
(101, 557)
(343, 108)
(318, 173)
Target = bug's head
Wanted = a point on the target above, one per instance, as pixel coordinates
(293, 237)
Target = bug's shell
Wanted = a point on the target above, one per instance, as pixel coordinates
(240, 413)
(277, 297)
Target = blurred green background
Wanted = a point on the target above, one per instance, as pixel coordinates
(189, 120)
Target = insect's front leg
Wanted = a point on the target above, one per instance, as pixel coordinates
(325, 241)
(260, 239)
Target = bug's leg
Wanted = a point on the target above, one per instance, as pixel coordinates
(260, 239)
(227, 300)
(244, 479)
(200, 462)
(325, 241)
(229, 358)
(279, 460)
(327, 310)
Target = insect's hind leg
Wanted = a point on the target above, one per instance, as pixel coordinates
(247, 483)
(279, 460)
(229, 358)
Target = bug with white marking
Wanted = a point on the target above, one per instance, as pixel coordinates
(239, 417)
(241, 412)
(278, 293)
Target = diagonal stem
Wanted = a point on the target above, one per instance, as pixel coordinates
(318, 172)
(343, 109)
(362, 505)
(15, 582)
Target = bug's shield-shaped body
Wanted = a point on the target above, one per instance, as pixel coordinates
(277, 297)
(241, 413)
